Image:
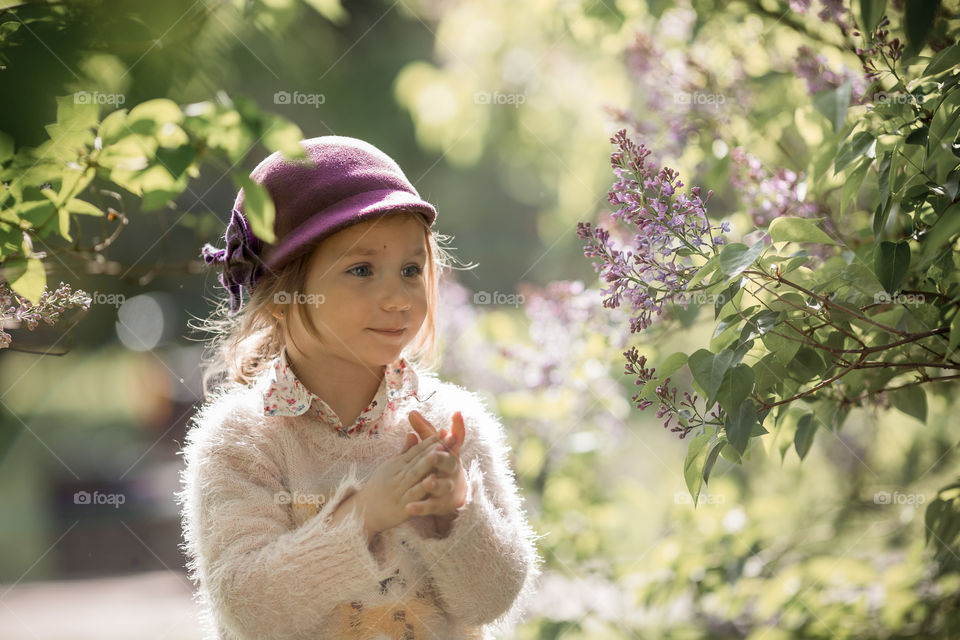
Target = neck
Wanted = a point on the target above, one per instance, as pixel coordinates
(346, 385)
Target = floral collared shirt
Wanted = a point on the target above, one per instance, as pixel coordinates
(285, 395)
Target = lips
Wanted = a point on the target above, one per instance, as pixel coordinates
(390, 331)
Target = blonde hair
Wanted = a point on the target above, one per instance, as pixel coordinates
(242, 346)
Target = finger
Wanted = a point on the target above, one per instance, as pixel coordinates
(459, 429)
(436, 486)
(412, 453)
(434, 459)
(410, 441)
(421, 425)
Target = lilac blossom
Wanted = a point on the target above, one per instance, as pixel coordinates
(669, 224)
(814, 69)
(556, 358)
(15, 309)
(767, 195)
(685, 409)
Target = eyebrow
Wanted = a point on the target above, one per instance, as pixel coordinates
(364, 251)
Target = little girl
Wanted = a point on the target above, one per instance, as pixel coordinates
(333, 488)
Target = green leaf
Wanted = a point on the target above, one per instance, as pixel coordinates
(783, 349)
(883, 184)
(870, 13)
(712, 457)
(911, 400)
(708, 267)
(284, 136)
(917, 21)
(954, 334)
(891, 262)
(735, 387)
(27, 277)
(944, 231)
(671, 365)
(943, 61)
(803, 438)
(736, 257)
(740, 423)
(150, 116)
(258, 208)
(788, 229)
(833, 104)
(694, 463)
(84, 208)
(861, 143)
(708, 370)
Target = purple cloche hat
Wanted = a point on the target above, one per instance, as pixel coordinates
(341, 182)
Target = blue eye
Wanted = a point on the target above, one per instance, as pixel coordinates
(359, 266)
(418, 271)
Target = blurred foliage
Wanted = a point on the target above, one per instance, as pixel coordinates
(832, 547)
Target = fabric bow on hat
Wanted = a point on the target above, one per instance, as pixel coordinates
(242, 266)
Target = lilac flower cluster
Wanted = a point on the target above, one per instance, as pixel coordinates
(768, 196)
(831, 11)
(677, 97)
(815, 71)
(670, 226)
(666, 395)
(14, 309)
(891, 49)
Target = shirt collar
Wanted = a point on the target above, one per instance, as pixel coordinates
(285, 395)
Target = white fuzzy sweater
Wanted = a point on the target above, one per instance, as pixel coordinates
(256, 499)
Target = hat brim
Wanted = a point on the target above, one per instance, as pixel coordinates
(347, 212)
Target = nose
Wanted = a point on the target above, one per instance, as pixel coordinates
(396, 295)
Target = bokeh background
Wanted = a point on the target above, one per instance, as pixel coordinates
(500, 113)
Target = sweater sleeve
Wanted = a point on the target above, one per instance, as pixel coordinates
(486, 565)
(265, 578)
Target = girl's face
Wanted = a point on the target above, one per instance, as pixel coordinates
(360, 281)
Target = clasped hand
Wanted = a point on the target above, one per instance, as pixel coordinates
(425, 479)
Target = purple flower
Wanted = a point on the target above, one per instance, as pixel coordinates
(15, 309)
(666, 221)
